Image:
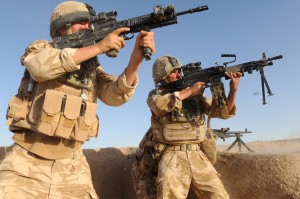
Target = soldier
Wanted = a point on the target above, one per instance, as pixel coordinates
(179, 131)
(144, 170)
(54, 112)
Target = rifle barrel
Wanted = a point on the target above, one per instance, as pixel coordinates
(198, 9)
(237, 132)
(276, 57)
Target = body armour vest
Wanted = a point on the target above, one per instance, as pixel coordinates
(64, 107)
(185, 125)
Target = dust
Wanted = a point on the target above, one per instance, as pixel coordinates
(288, 146)
(271, 171)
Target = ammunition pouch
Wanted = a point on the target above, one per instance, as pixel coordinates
(61, 112)
(62, 115)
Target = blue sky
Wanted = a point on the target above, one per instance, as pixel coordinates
(245, 28)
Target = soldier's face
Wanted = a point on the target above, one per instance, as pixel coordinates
(174, 75)
(79, 26)
(76, 27)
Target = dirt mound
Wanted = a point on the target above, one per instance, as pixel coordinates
(272, 171)
(260, 176)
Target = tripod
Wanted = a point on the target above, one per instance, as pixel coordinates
(240, 142)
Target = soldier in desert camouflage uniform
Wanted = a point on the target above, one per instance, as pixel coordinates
(178, 129)
(54, 112)
(144, 170)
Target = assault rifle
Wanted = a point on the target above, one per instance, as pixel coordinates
(105, 23)
(225, 133)
(212, 76)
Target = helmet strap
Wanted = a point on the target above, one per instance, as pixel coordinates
(164, 81)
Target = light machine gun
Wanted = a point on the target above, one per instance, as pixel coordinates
(212, 76)
(225, 133)
(104, 23)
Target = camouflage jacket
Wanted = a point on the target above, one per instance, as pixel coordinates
(50, 120)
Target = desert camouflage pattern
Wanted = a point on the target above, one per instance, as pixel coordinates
(143, 183)
(180, 170)
(144, 170)
(163, 66)
(148, 153)
(66, 13)
(31, 177)
(40, 110)
(218, 95)
(183, 166)
(163, 104)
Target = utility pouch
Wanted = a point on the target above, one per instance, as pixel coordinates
(50, 113)
(15, 110)
(208, 146)
(179, 131)
(88, 122)
(70, 109)
(18, 105)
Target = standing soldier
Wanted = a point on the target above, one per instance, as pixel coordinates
(54, 112)
(178, 134)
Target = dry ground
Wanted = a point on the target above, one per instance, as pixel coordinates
(271, 172)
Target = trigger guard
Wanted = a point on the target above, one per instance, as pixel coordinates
(127, 38)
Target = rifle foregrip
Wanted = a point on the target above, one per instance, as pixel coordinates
(112, 53)
(147, 54)
(190, 11)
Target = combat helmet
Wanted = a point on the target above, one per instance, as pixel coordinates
(68, 12)
(163, 66)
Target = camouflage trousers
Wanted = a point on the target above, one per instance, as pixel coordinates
(26, 176)
(179, 171)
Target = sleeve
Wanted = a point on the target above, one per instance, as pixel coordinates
(215, 109)
(161, 104)
(45, 62)
(114, 91)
